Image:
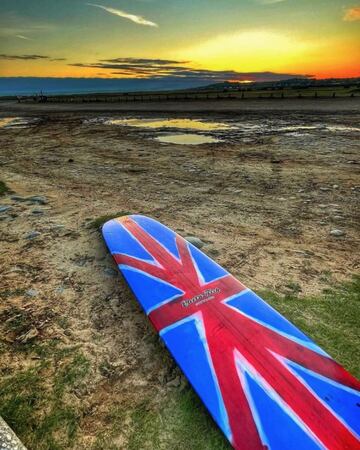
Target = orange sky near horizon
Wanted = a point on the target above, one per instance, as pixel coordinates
(77, 39)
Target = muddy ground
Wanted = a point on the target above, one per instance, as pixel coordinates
(265, 205)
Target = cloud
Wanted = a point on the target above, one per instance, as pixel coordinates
(352, 14)
(163, 69)
(144, 61)
(118, 12)
(29, 57)
(20, 36)
(23, 57)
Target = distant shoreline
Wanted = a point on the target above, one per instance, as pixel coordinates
(321, 105)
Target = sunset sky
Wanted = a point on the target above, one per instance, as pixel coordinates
(210, 39)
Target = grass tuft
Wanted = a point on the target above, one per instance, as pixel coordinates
(99, 221)
(38, 402)
(4, 189)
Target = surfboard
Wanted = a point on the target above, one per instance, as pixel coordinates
(265, 383)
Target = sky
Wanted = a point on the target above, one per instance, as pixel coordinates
(211, 40)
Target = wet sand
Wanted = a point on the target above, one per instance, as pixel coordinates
(265, 201)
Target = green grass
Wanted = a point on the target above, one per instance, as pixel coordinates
(4, 189)
(99, 221)
(331, 319)
(36, 402)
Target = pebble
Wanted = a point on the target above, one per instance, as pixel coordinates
(176, 382)
(37, 212)
(324, 189)
(32, 235)
(4, 208)
(195, 241)
(36, 199)
(31, 293)
(39, 199)
(18, 198)
(337, 233)
(31, 334)
(110, 272)
(335, 186)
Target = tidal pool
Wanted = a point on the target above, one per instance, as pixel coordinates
(187, 139)
(190, 124)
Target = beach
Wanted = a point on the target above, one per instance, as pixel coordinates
(273, 196)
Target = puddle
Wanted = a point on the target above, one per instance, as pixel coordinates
(187, 139)
(246, 129)
(189, 124)
(15, 122)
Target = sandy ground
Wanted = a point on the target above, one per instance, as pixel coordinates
(264, 205)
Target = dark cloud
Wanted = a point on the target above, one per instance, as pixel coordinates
(23, 57)
(155, 69)
(142, 61)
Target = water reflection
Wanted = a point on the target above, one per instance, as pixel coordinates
(187, 139)
(190, 124)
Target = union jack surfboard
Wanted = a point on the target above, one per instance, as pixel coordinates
(265, 383)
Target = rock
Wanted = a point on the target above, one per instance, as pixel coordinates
(8, 439)
(31, 293)
(39, 199)
(32, 235)
(176, 382)
(338, 218)
(36, 199)
(337, 233)
(37, 212)
(28, 336)
(322, 206)
(110, 272)
(4, 208)
(195, 241)
(335, 186)
(18, 198)
(324, 189)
